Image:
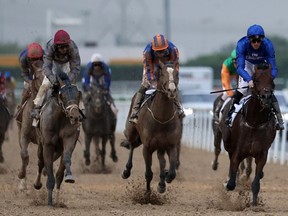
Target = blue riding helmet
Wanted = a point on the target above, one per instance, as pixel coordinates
(255, 31)
(7, 74)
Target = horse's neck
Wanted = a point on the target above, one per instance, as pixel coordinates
(254, 112)
(162, 106)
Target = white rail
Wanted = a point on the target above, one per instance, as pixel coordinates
(197, 133)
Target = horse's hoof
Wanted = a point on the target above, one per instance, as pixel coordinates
(38, 187)
(161, 188)
(230, 187)
(21, 175)
(114, 158)
(170, 177)
(125, 174)
(69, 179)
(87, 162)
(215, 165)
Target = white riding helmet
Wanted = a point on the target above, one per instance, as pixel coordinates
(96, 57)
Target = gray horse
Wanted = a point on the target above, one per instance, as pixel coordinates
(100, 123)
(58, 132)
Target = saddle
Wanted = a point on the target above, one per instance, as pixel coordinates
(238, 108)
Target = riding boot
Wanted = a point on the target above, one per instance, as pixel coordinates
(217, 110)
(181, 113)
(135, 107)
(235, 100)
(280, 122)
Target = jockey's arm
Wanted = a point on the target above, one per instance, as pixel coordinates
(225, 79)
(148, 66)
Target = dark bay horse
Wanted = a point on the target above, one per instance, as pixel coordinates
(245, 168)
(26, 132)
(100, 123)
(159, 129)
(58, 132)
(5, 118)
(252, 132)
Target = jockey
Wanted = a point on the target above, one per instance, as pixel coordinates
(32, 53)
(98, 72)
(158, 49)
(252, 50)
(60, 53)
(228, 72)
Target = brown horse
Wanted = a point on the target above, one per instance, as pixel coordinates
(252, 132)
(245, 169)
(58, 132)
(158, 128)
(26, 132)
(100, 123)
(4, 122)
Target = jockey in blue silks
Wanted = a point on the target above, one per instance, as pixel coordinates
(98, 72)
(252, 50)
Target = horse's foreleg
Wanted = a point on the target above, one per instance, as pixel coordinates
(113, 154)
(103, 152)
(69, 146)
(126, 173)
(88, 139)
(148, 171)
(162, 164)
(260, 163)
(37, 182)
(60, 174)
(96, 141)
(48, 151)
(178, 155)
(1, 152)
(24, 156)
(234, 164)
(248, 167)
(172, 154)
(217, 148)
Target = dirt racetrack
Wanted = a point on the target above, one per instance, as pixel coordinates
(197, 189)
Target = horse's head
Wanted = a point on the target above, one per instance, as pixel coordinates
(168, 79)
(264, 85)
(69, 98)
(97, 99)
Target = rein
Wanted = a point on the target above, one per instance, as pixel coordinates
(153, 116)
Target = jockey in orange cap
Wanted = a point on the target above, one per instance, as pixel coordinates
(158, 49)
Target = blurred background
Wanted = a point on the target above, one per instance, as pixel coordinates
(204, 31)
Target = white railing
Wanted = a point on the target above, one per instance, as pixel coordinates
(197, 133)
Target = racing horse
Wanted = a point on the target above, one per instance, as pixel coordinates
(159, 128)
(100, 123)
(58, 131)
(4, 122)
(245, 168)
(253, 130)
(26, 132)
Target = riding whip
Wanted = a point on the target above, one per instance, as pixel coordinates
(228, 89)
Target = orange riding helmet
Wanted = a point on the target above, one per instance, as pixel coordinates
(159, 42)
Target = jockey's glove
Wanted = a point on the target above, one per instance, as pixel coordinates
(251, 84)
